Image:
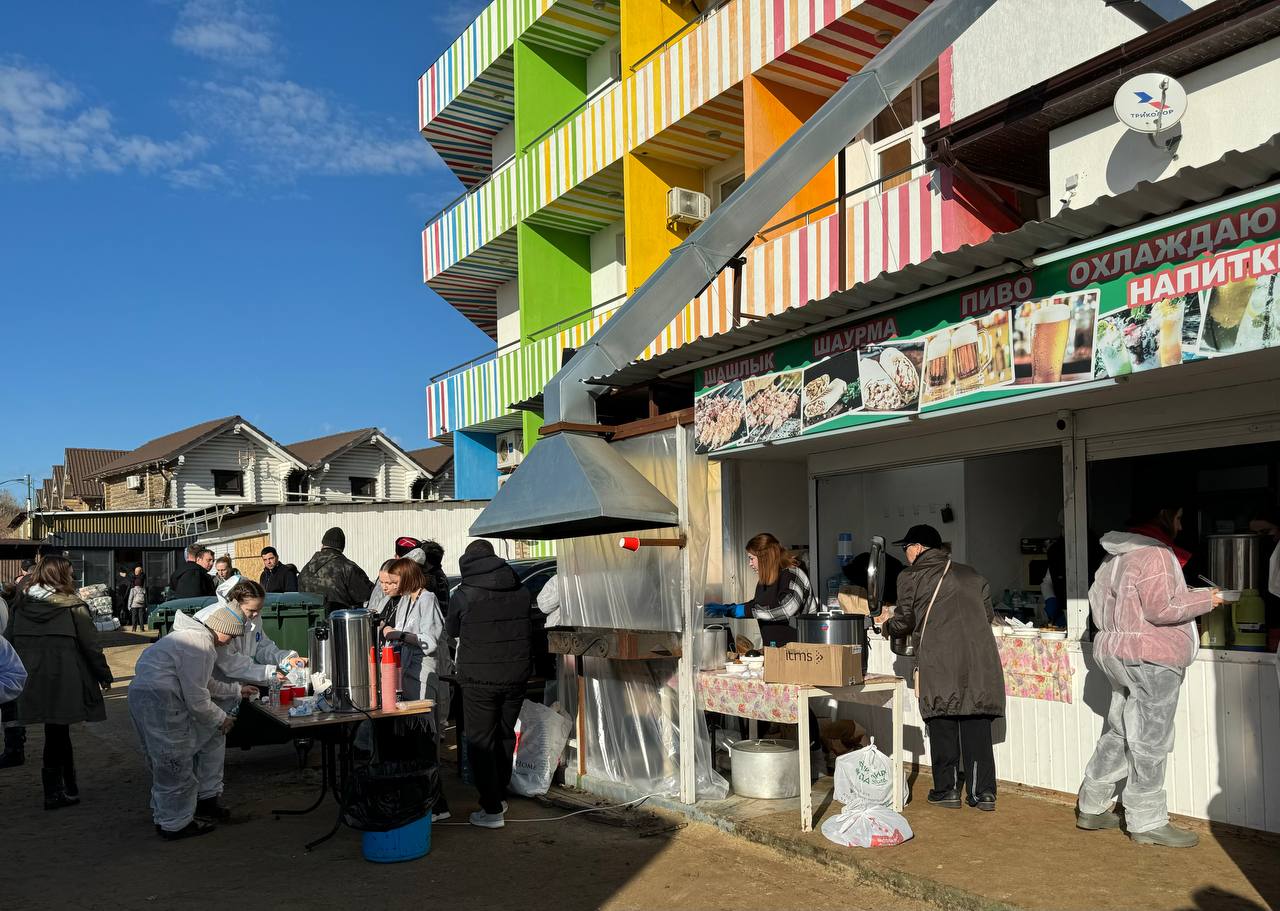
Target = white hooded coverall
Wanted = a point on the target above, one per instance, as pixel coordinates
(250, 658)
(171, 700)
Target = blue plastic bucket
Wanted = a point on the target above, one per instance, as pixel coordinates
(405, 843)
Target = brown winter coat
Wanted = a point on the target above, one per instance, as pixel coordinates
(960, 672)
(58, 644)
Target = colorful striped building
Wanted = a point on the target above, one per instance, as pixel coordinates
(567, 122)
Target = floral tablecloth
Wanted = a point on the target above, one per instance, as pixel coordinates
(749, 697)
(1036, 668)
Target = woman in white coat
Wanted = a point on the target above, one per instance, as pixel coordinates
(252, 657)
(413, 621)
(182, 730)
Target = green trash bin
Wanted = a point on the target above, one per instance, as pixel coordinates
(161, 615)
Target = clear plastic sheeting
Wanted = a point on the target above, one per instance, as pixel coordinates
(633, 707)
(603, 585)
(633, 729)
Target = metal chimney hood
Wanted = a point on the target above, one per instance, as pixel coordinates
(577, 486)
(572, 484)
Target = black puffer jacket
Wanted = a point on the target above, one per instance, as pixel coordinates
(960, 672)
(191, 580)
(491, 617)
(55, 637)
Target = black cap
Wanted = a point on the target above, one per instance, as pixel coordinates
(404, 544)
(925, 535)
(335, 539)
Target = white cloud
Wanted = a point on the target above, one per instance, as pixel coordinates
(288, 130)
(229, 32)
(47, 128)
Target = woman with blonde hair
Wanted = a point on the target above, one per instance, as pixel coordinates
(53, 633)
(782, 591)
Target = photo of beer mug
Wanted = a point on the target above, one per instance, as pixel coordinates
(1050, 333)
(970, 355)
(937, 361)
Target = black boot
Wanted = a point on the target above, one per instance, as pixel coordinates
(54, 795)
(209, 808)
(15, 747)
(69, 784)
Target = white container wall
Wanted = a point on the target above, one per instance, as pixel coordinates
(372, 529)
(1227, 734)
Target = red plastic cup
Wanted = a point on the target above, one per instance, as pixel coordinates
(299, 692)
(286, 696)
(629, 543)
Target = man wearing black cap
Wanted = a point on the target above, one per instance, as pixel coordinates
(491, 617)
(331, 575)
(946, 608)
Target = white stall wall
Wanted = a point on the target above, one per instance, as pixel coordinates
(1009, 497)
(772, 497)
(372, 529)
(1227, 734)
(888, 503)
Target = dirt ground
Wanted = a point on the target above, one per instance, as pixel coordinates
(104, 854)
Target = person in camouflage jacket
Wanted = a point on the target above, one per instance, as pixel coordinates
(333, 577)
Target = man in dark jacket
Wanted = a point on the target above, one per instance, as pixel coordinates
(946, 608)
(276, 576)
(192, 579)
(491, 617)
(333, 577)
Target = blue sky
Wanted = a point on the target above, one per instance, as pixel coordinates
(213, 207)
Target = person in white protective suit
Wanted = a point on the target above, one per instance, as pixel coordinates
(182, 730)
(251, 658)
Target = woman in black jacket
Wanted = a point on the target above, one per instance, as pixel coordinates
(961, 682)
(54, 635)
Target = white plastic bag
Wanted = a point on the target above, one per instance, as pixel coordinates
(863, 779)
(541, 735)
(874, 827)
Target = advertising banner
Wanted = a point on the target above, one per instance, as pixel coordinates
(1201, 290)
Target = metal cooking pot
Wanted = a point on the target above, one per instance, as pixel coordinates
(832, 628)
(713, 646)
(767, 769)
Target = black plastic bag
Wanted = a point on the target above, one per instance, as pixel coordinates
(387, 795)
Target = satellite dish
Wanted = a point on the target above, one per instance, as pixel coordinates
(1150, 103)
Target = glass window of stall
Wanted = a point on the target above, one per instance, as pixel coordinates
(1229, 524)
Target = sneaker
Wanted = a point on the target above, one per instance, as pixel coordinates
(441, 816)
(1093, 822)
(487, 820)
(946, 798)
(190, 830)
(1166, 836)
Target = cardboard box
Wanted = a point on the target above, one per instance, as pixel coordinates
(816, 665)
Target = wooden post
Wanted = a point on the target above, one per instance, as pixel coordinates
(687, 672)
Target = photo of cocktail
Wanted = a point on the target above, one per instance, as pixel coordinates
(1226, 309)
(1113, 357)
(1168, 316)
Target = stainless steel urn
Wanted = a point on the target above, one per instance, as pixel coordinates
(320, 650)
(353, 685)
(1235, 561)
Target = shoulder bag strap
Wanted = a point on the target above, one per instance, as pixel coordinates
(929, 610)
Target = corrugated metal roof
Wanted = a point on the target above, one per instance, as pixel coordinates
(164, 448)
(82, 464)
(59, 486)
(1233, 172)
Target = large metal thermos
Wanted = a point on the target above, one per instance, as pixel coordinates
(353, 688)
(1235, 561)
(320, 650)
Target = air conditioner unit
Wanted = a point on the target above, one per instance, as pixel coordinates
(510, 449)
(687, 206)
(133, 482)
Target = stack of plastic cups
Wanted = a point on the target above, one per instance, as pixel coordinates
(388, 679)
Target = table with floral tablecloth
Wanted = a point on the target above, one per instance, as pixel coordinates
(1036, 668)
(749, 697)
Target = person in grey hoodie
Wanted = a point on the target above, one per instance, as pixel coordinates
(1146, 639)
